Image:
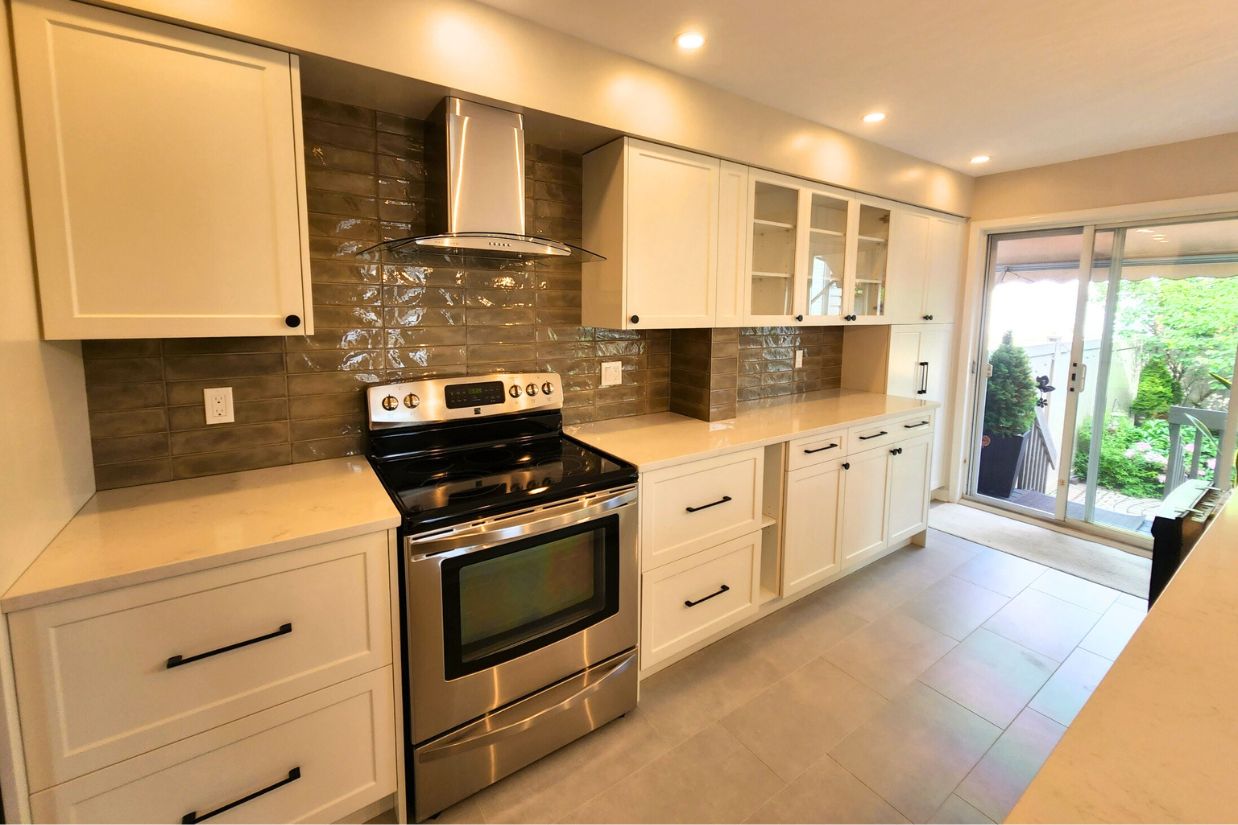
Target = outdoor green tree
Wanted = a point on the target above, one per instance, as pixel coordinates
(1010, 400)
(1191, 323)
(1157, 391)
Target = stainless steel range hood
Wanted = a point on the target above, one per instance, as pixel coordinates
(475, 189)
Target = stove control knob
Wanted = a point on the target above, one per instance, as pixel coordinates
(390, 403)
(412, 401)
(548, 388)
(514, 392)
(531, 389)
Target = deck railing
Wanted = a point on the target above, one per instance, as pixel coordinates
(1177, 469)
(1039, 457)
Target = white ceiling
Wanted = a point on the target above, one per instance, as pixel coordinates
(1028, 82)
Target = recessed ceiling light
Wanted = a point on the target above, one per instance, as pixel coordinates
(980, 159)
(690, 40)
(874, 117)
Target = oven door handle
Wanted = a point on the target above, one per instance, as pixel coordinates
(493, 532)
(532, 712)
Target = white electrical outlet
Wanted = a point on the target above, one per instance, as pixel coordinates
(218, 401)
(799, 358)
(612, 373)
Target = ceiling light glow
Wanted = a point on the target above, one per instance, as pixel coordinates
(1145, 231)
(980, 159)
(690, 40)
(874, 117)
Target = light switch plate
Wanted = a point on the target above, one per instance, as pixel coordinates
(218, 403)
(612, 373)
(799, 358)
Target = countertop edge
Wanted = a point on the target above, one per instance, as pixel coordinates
(38, 598)
(764, 441)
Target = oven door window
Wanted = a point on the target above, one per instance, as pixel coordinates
(506, 601)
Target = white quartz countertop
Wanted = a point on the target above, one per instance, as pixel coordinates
(664, 439)
(139, 534)
(1158, 740)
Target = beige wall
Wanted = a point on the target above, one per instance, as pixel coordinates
(44, 433)
(1207, 166)
(477, 50)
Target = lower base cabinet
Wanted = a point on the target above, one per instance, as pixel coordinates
(814, 497)
(910, 467)
(865, 483)
(695, 597)
(314, 759)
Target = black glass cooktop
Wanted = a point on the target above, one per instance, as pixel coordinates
(439, 478)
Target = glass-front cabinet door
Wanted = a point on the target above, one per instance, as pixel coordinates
(776, 229)
(827, 258)
(868, 296)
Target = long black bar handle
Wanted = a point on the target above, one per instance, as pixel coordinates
(718, 592)
(820, 449)
(722, 500)
(178, 660)
(874, 435)
(914, 426)
(923, 378)
(193, 816)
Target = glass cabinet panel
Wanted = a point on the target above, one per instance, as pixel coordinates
(870, 261)
(774, 217)
(827, 255)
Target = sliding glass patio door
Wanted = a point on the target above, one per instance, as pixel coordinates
(1110, 353)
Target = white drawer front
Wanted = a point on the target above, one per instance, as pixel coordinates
(340, 741)
(815, 449)
(93, 677)
(685, 602)
(696, 505)
(868, 436)
(918, 425)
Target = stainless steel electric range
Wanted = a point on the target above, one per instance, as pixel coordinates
(518, 581)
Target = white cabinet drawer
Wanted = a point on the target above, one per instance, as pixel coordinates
(695, 597)
(815, 449)
(868, 436)
(698, 504)
(332, 753)
(906, 428)
(96, 676)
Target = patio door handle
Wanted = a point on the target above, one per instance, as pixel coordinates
(1078, 377)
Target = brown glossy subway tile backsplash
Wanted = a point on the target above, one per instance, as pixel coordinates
(380, 320)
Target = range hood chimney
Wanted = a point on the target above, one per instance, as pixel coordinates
(475, 188)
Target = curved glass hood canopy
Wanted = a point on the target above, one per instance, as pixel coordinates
(475, 190)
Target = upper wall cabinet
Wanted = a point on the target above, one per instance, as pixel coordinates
(926, 267)
(653, 212)
(166, 180)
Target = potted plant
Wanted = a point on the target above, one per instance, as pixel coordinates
(1009, 409)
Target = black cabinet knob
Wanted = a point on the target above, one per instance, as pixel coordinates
(635, 319)
(927, 317)
(799, 317)
(293, 320)
(846, 465)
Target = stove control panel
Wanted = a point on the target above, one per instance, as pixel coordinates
(472, 396)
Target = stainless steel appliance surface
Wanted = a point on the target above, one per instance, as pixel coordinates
(518, 582)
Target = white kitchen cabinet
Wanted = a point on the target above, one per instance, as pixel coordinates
(921, 365)
(652, 211)
(732, 244)
(865, 488)
(870, 288)
(813, 511)
(166, 177)
(908, 495)
(926, 267)
(778, 231)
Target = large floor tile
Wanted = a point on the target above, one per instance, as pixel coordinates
(799, 633)
(1110, 635)
(1043, 623)
(990, 676)
(890, 653)
(955, 811)
(1067, 690)
(1000, 572)
(1075, 590)
(954, 606)
(916, 750)
(690, 695)
(794, 722)
(552, 787)
(709, 778)
(825, 792)
(996, 784)
(463, 812)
